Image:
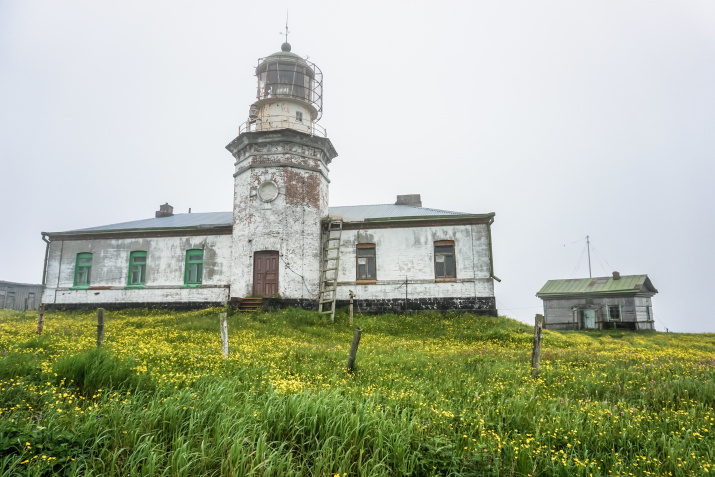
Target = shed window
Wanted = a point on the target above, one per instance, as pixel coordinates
(614, 312)
(366, 267)
(83, 270)
(194, 267)
(137, 269)
(444, 264)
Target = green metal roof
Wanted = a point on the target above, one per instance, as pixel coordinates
(627, 284)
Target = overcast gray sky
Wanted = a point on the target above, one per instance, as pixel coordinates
(565, 118)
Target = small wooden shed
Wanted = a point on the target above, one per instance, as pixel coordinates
(20, 296)
(598, 303)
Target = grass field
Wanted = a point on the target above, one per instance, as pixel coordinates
(432, 395)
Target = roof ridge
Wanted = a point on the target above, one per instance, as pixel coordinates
(399, 205)
(195, 213)
(350, 213)
(367, 205)
(595, 278)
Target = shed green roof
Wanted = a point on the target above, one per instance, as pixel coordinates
(627, 284)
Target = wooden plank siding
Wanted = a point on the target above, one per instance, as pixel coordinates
(20, 296)
(559, 313)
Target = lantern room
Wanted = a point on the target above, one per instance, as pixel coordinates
(289, 94)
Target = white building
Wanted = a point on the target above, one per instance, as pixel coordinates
(281, 241)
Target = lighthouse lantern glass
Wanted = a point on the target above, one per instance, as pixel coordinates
(285, 79)
(299, 79)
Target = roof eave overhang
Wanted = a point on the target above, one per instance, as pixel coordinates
(149, 232)
(419, 221)
(648, 285)
(286, 135)
(602, 294)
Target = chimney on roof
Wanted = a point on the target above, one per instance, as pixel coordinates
(410, 199)
(165, 211)
(616, 276)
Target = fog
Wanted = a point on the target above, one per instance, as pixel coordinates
(566, 119)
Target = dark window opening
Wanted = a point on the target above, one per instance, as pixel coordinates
(366, 266)
(614, 312)
(444, 262)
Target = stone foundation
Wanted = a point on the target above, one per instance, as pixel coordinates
(270, 304)
(172, 306)
(480, 305)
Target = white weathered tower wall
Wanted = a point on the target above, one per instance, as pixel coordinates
(282, 115)
(291, 223)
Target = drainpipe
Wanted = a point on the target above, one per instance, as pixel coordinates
(491, 253)
(47, 254)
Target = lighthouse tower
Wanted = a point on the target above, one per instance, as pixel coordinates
(280, 183)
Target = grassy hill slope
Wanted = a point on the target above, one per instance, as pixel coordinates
(433, 395)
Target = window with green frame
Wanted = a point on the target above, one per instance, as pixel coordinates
(194, 267)
(137, 269)
(83, 270)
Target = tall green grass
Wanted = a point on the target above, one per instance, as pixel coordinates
(99, 368)
(435, 394)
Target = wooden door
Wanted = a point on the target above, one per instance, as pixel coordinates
(10, 303)
(265, 273)
(589, 319)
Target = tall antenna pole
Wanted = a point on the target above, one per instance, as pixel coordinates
(588, 246)
(287, 26)
(287, 30)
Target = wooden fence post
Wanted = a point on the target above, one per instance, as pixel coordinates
(536, 350)
(224, 334)
(100, 326)
(41, 320)
(353, 349)
(351, 307)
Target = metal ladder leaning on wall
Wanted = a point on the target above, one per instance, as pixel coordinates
(329, 267)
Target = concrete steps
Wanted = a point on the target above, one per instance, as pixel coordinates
(250, 304)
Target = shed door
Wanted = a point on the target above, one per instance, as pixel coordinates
(589, 319)
(265, 273)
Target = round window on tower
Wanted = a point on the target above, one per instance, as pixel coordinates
(268, 191)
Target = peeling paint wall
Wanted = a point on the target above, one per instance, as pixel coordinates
(289, 224)
(165, 269)
(282, 115)
(408, 253)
